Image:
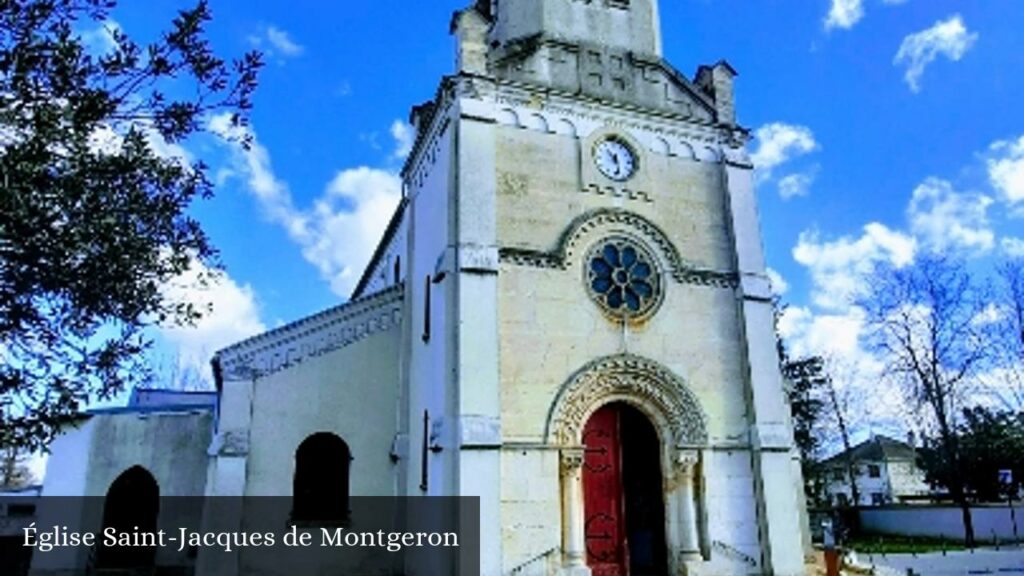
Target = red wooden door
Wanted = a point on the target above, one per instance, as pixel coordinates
(602, 487)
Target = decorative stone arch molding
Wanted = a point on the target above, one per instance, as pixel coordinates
(643, 383)
(681, 424)
(581, 232)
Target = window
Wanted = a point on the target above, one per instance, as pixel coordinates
(842, 499)
(623, 278)
(877, 499)
(321, 483)
(874, 471)
(837, 474)
(426, 309)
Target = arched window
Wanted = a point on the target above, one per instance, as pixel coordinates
(133, 501)
(320, 489)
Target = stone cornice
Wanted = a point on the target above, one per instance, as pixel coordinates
(313, 336)
(569, 244)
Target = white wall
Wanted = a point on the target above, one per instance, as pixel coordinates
(942, 522)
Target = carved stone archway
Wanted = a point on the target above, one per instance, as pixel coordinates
(681, 425)
(645, 384)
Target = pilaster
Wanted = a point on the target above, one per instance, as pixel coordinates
(475, 329)
(770, 429)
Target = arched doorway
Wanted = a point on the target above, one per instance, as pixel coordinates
(132, 503)
(321, 483)
(623, 493)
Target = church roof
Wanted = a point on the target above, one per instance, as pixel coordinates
(389, 233)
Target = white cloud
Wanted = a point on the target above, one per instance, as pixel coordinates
(847, 13)
(1014, 247)
(992, 314)
(342, 240)
(832, 334)
(1006, 169)
(233, 315)
(405, 136)
(100, 40)
(945, 219)
(840, 268)
(282, 42)
(948, 38)
(779, 143)
(274, 41)
(779, 284)
(844, 14)
(339, 232)
(797, 185)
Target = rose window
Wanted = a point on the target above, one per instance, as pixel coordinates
(622, 278)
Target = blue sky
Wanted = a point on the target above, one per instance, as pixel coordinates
(884, 128)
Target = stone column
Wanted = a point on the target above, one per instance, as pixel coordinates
(574, 544)
(686, 469)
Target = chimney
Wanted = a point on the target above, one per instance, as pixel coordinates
(717, 82)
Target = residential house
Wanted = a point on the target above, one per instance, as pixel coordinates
(884, 469)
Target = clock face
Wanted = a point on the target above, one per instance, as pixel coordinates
(615, 159)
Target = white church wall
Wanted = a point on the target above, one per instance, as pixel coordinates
(731, 518)
(170, 446)
(86, 460)
(477, 407)
(349, 392)
(66, 475)
(530, 499)
(428, 180)
(550, 328)
(68, 464)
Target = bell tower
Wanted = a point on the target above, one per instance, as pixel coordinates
(588, 297)
(624, 25)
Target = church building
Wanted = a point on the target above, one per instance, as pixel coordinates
(568, 317)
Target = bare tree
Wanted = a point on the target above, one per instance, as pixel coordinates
(1007, 380)
(838, 403)
(177, 372)
(923, 320)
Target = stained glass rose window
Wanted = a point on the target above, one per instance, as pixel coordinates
(622, 278)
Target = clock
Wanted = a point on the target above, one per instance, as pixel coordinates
(615, 159)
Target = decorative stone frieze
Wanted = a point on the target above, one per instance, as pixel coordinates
(313, 336)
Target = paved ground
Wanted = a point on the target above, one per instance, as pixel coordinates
(1005, 562)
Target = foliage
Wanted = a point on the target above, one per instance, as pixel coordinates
(94, 203)
(806, 377)
(989, 441)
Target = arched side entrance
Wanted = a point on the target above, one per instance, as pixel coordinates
(613, 407)
(132, 502)
(321, 483)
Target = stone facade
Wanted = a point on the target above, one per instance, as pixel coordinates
(486, 329)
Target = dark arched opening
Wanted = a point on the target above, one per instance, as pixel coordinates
(132, 505)
(321, 482)
(624, 503)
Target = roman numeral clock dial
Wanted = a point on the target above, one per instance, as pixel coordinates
(615, 159)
